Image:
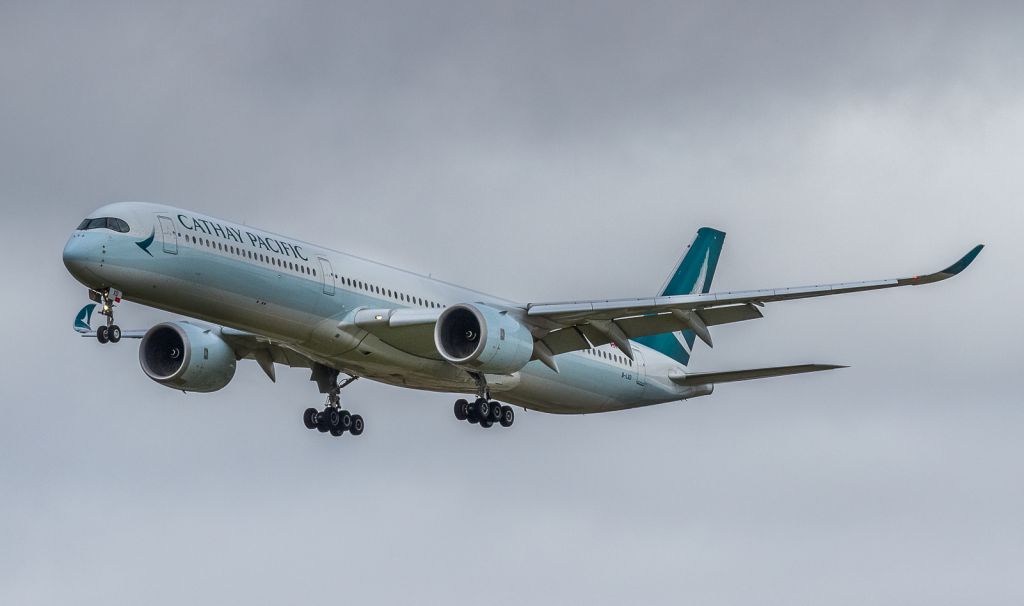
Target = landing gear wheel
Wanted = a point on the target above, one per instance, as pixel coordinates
(114, 333)
(101, 334)
(483, 409)
(346, 420)
(495, 412)
(333, 418)
(321, 422)
(508, 416)
(461, 410)
(486, 423)
(337, 432)
(309, 418)
(357, 425)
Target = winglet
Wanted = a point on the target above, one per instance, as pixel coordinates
(964, 261)
(83, 318)
(947, 273)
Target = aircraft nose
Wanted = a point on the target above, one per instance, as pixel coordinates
(78, 254)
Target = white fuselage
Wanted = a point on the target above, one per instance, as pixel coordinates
(298, 294)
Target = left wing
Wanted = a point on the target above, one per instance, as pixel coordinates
(246, 345)
(577, 325)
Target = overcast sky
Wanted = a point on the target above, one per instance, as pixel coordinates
(539, 151)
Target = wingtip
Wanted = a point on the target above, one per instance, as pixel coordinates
(964, 261)
(949, 272)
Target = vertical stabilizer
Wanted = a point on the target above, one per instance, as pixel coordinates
(692, 275)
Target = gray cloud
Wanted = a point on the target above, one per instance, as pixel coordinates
(539, 152)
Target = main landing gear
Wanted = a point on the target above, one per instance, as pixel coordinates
(484, 412)
(332, 419)
(109, 332)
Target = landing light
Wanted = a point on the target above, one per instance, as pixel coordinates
(378, 317)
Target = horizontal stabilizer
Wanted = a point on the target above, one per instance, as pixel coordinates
(703, 378)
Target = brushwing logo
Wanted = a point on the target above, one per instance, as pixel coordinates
(84, 317)
(145, 244)
(698, 286)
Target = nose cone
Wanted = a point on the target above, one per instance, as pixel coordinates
(78, 256)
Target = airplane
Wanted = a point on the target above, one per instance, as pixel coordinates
(251, 294)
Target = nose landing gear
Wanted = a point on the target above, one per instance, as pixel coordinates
(109, 332)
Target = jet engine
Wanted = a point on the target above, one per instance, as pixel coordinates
(187, 357)
(482, 339)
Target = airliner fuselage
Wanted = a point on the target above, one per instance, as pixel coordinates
(296, 293)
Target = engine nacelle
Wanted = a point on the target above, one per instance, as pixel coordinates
(482, 339)
(187, 357)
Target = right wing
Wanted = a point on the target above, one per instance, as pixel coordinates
(575, 325)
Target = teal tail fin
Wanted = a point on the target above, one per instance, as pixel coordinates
(692, 275)
(84, 317)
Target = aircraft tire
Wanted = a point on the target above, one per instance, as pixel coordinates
(357, 425)
(508, 416)
(309, 418)
(495, 412)
(333, 418)
(321, 422)
(461, 409)
(337, 432)
(101, 334)
(345, 423)
(114, 333)
(483, 409)
(486, 423)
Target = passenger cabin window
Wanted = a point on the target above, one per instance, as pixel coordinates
(112, 223)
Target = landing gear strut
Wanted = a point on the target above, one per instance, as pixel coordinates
(332, 419)
(109, 332)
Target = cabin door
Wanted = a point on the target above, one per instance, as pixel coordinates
(170, 236)
(327, 273)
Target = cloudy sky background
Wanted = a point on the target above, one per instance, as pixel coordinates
(538, 151)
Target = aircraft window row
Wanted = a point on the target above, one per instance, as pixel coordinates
(600, 353)
(248, 254)
(284, 264)
(118, 225)
(386, 292)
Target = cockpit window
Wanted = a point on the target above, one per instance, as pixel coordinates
(119, 225)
